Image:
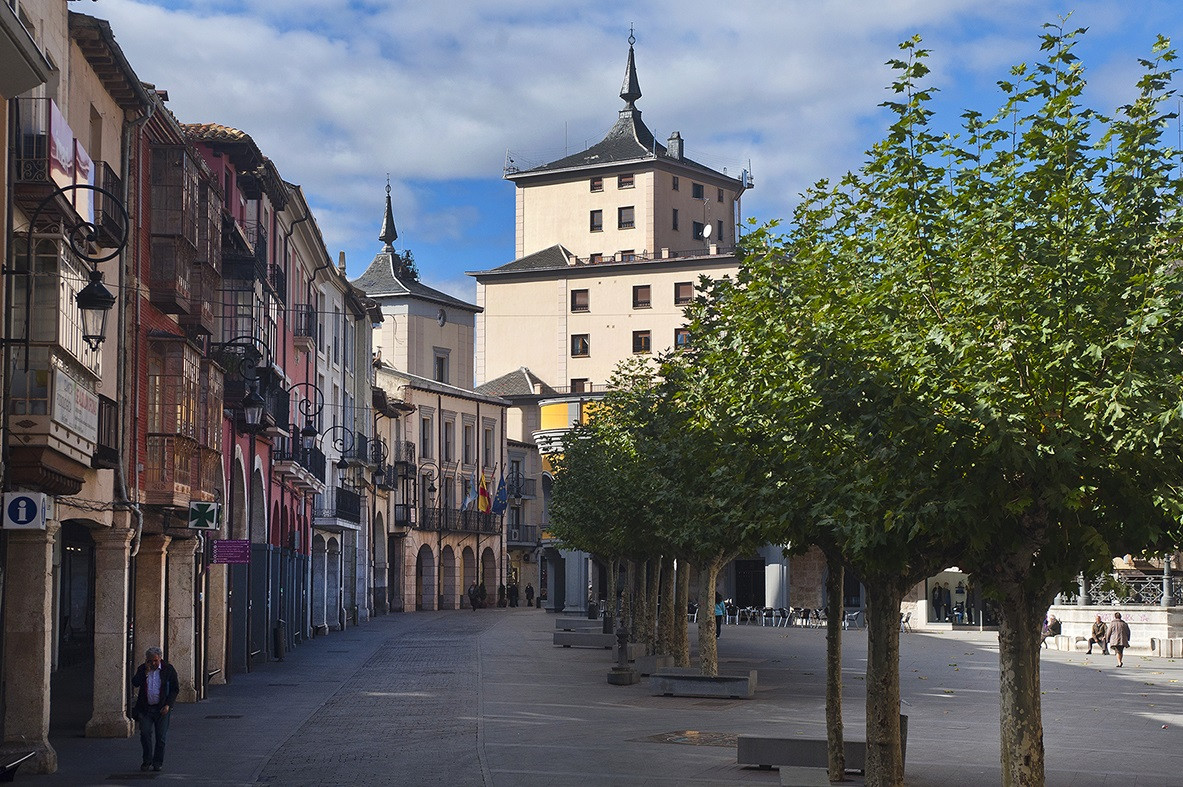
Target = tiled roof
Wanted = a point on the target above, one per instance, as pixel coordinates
(216, 132)
(520, 382)
(559, 258)
(379, 281)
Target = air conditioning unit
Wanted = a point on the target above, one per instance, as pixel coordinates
(514, 534)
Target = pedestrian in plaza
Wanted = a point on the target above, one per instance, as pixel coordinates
(938, 603)
(529, 595)
(1051, 630)
(513, 594)
(1119, 636)
(158, 685)
(1099, 636)
(720, 611)
(474, 596)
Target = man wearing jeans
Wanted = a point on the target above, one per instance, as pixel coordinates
(158, 685)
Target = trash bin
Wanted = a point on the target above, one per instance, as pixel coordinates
(281, 639)
(593, 610)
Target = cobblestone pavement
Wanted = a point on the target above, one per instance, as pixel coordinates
(463, 698)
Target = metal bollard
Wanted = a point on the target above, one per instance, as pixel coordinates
(281, 640)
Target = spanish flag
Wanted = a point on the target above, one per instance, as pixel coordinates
(484, 503)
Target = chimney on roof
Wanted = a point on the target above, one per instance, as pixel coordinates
(341, 262)
(673, 147)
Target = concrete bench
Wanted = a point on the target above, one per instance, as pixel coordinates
(803, 776)
(579, 624)
(1171, 648)
(671, 684)
(649, 665)
(766, 752)
(584, 639)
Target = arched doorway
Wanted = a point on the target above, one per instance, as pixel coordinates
(334, 615)
(378, 601)
(425, 579)
(319, 580)
(72, 680)
(468, 565)
(489, 574)
(238, 528)
(449, 596)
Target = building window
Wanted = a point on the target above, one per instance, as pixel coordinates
(580, 345)
(641, 343)
(628, 255)
(597, 221)
(449, 440)
(641, 296)
(597, 184)
(624, 182)
(675, 219)
(696, 229)
(440, 367)
(625, 218)
(579, 385)
(579, 301)
(425, 438)
(488, 446)
(683, 293)
(468, 446)
(676, 183)
(719, 231)
(720, 196)
(595, 258)
(681, 338)
(696, 191)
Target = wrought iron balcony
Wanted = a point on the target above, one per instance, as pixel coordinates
(339, 503)
(455, 520)
(108, 219)
(304, 326)
(523, 535)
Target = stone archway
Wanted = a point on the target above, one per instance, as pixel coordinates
(468, 567)
(489, 573)
(425, 579)
(378, 602)
(319, 580)
(449, 594)
(334, 615)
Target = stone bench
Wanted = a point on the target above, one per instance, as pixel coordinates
(579, 624)
(650, 665)
(584, 639)
(1171, 648)
(766, 752)
(671, 683)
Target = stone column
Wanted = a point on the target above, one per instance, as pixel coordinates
(182, 629)
(1168, 599)
(112, 552)
(28, 644)
(149, 607)
(215, 635)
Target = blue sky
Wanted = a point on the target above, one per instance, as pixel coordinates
(338, 93)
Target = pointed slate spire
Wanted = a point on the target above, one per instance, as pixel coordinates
(630, 91)
(389, 234)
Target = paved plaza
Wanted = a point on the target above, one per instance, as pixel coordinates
(484, 698)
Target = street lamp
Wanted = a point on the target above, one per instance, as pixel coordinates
(253, 405)
(95, 302)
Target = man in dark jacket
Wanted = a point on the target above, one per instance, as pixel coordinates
(1099, 636)
(158, 686)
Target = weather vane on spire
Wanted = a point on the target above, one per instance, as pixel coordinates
(632, 39)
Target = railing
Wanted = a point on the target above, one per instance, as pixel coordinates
(108, 219)
(402, 451)
(516, 535)
(251, 264)
(342, 503)
(359, 451)
(288, 449)
(1135, 590)
(456, 520)
(402, 514)
(106, 453)
(304, 321)
(522, 487)
(30, 144)
(170, 272)
(586, 388)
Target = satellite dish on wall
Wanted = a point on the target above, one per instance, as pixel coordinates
(706, 231)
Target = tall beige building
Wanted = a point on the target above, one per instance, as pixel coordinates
(610, 244)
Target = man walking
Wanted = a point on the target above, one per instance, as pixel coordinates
(158, 686)
(1119, 636)
(474, 596)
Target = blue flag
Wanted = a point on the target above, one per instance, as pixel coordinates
(501, 498)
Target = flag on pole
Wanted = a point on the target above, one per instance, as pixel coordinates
(501, 499)
(484, 503)
(470, 493)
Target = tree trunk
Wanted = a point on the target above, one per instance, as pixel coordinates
(834, 610)
(612, 601)
(682, 625)
(885, 766)
(652, 591)
(626, 601)
(667, 609)
(641, 608)
(708, 645)
(1021, 708)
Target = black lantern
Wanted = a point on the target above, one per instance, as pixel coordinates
(95, 301)
(252, 408)
(342, 469)
(308, 435)
(380, 475)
